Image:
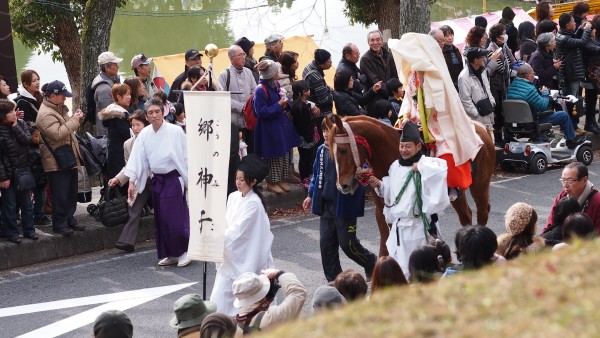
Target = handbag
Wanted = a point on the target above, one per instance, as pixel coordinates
(484, 107)
(113, 210)
(24, 179)
(63, 155)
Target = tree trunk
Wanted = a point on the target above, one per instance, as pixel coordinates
(387, 12)
(95, 36)
(68, 42)
(415, 16)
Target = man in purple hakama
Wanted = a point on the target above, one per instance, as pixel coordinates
(161, 149)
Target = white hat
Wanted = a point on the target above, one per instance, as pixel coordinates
(249, 288)
(108, 57)
(140, 59)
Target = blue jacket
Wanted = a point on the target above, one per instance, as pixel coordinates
(521, 89)
(323, 187)
(274, 133)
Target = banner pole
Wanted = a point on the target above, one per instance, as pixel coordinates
(204, 280)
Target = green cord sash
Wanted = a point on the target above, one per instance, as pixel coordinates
(418, 203)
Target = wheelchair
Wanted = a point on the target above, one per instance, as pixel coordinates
(530, 148)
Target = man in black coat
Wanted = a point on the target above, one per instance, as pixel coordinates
(192, 58)
(350, 57)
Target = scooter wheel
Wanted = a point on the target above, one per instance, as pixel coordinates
(539, 163)
(585, 154)
(92, 209)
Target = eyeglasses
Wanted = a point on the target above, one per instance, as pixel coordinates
(568, 181)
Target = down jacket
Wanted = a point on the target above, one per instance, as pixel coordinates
(114, 118)
(13, 144)
(347, 101)
(521, 89)
(57, 129)
(568, 49)
(471, 91)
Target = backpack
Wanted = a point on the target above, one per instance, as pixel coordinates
(248, 110)
(91, 101)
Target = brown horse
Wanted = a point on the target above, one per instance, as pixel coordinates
(377, 145)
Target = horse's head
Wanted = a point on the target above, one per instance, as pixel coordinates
(341, 143)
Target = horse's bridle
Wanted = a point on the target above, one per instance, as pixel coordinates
(361, 174)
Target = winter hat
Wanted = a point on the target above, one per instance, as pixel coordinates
(481, 21)
(267, 69)
(327, 297)
(508, 13)
(517, 218)
(245, 44)
(322, 56)
(113, 324)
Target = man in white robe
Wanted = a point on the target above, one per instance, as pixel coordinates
(161, 150)
(414, 189)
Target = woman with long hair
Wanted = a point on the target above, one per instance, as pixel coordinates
(387, 272)
(138, 94)
(30, 98)
(287, 74)
(526, 40)
(521, 225)
(248, 237)
(544, 11)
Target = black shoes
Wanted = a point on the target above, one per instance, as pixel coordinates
(78, 227)
(33, 236)
(577, 140)
(592, 128)
(15, 240)
(125, 247)
(64, 231)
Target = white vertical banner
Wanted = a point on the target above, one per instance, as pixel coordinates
(208, 124)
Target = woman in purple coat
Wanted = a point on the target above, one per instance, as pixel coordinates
(274, 134)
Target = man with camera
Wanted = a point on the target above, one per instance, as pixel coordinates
(254, 294)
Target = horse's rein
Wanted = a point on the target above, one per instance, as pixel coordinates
(361, 174)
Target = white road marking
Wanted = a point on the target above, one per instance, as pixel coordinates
(509, 179)
(113, 301)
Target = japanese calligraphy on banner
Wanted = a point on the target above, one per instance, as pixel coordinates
(208, 121)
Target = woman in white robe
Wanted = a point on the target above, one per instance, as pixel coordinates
(248, 236)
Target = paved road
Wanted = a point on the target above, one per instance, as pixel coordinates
(295, 249)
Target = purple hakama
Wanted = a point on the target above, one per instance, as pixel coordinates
(171, 215)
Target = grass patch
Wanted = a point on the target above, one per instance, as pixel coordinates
(552, 294)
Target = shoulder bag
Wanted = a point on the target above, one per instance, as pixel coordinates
(64, 156)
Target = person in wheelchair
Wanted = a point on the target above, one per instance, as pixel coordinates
(522, 88)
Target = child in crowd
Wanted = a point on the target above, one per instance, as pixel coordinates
(396, 95)
(521, 225)
(351, 284)
(387, 272)
(303, 114)
(476, 247)
(178, 116)
(339, 213)
(428, 262)
(168, 107)
(243, 146)
(14, 141)
(35, 162)
(566, 206)
(382, 110)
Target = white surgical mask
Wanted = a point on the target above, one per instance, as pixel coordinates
(504, 38)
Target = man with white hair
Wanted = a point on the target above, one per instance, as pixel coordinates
(378, 64)
(240, 81)
(438, 36)
(102, 85)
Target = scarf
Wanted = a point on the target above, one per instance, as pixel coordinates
(410, 161)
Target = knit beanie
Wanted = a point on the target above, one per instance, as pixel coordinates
(517, 217)
(322, 56)
(245, 44)
(508, 13)
(267, 69)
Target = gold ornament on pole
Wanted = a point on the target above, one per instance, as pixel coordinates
(211, 50)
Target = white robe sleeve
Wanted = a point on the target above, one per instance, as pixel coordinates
(180, 158)
(434, 184)
(137, 168)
